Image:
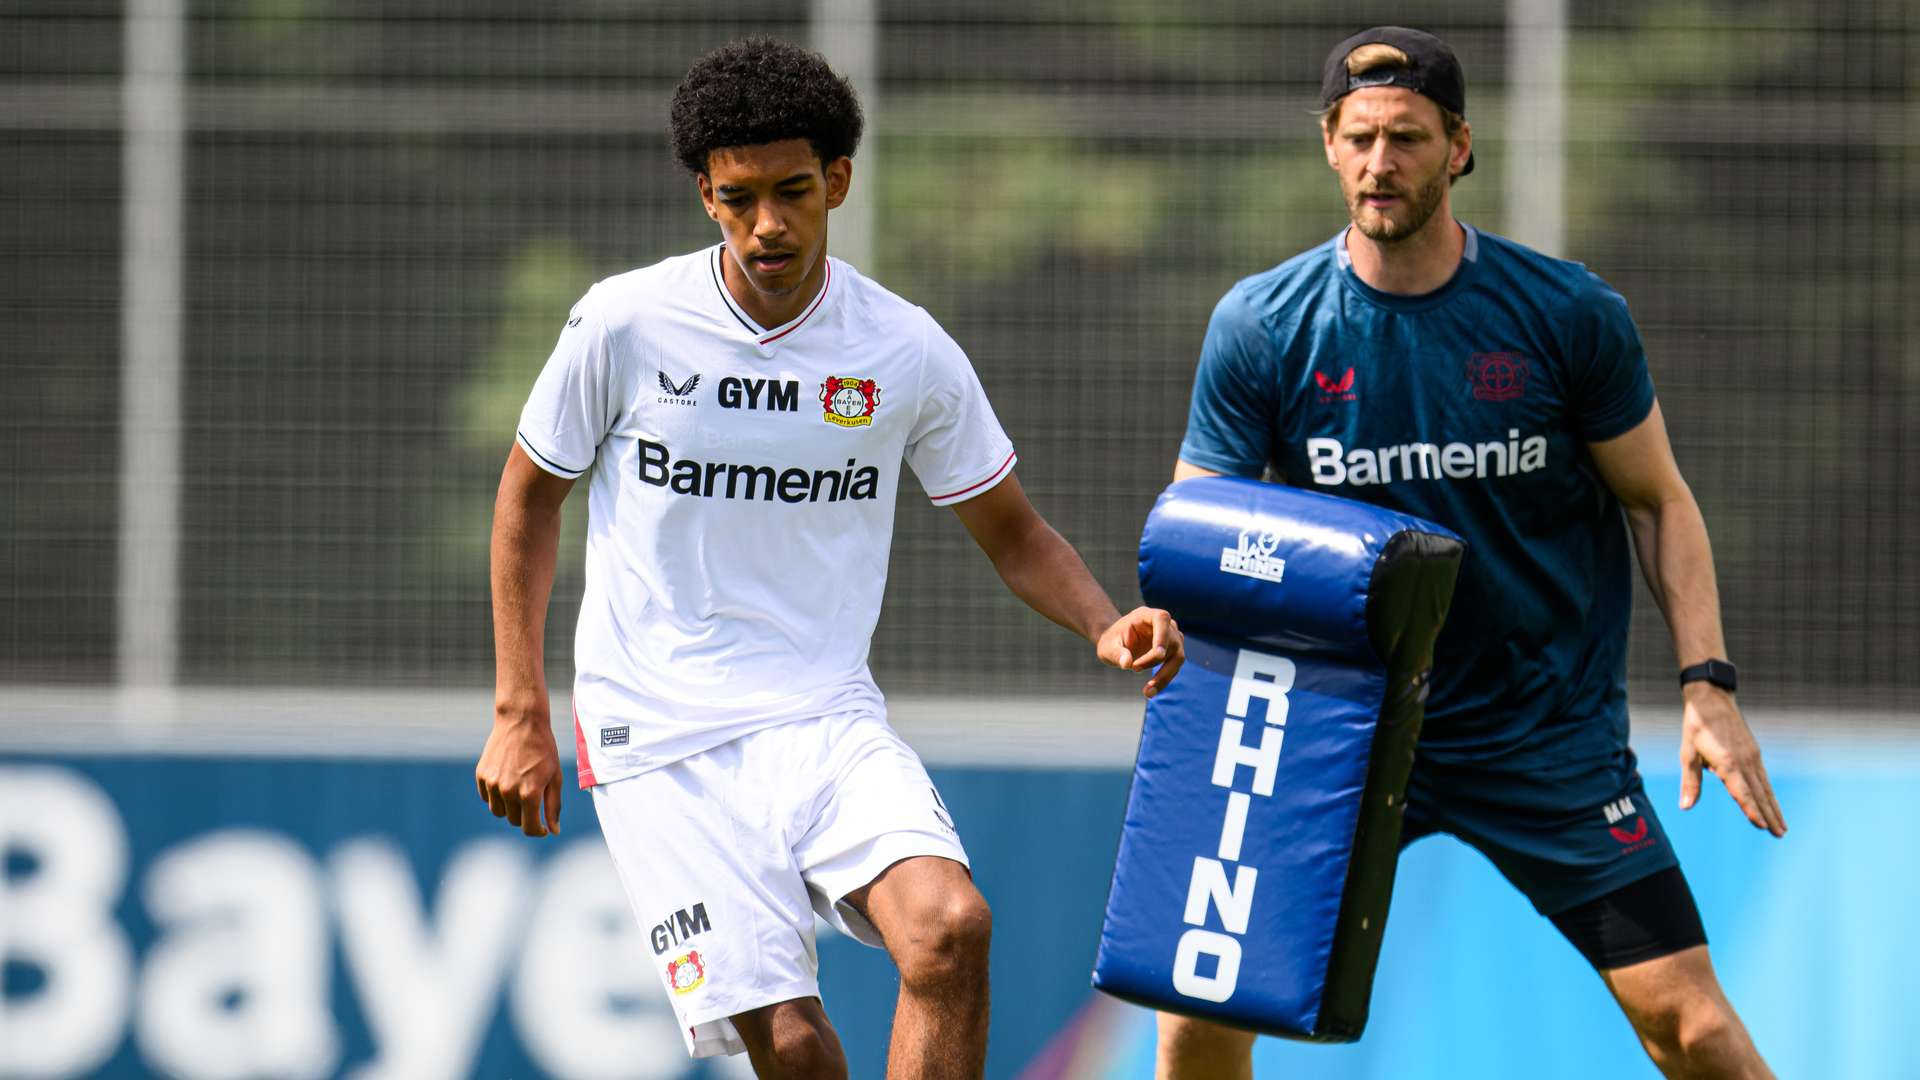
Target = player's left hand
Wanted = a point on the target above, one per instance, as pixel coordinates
(1714, 734)
(1141, 639)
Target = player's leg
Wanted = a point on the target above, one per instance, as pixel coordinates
(1646, 941)
(884, 864)
(1581, 839)
(792, 1041)
(702, 847)
(1195, 1049)
(937, 929)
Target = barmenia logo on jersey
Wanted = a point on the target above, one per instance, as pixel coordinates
(726, 480)
(849, 402)
(1333, 463)
(686, 972)
(1254, 557)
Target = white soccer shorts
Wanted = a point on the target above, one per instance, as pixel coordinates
(726, 856)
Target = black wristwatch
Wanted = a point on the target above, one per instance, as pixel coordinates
(1718, 672)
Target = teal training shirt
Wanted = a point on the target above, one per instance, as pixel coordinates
(1471, 406)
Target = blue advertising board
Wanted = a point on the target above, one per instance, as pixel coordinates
(209, 917)
(262, 917)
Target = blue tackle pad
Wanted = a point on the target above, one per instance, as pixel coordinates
(1263, 828)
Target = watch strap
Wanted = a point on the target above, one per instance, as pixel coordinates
(1718, 672)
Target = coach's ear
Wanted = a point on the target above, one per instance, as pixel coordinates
(839, 173)
(1461, 150)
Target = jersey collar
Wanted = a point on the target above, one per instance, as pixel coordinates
(1469, 263)
(763, 336)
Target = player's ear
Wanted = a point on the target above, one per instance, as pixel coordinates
(839, 174)
(1326, 142)
(706, 195)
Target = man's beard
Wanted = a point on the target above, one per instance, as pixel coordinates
(1419, 206)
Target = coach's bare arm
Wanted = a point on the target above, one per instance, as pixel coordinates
(519, 771)
(1670, 537)
(1044, 570)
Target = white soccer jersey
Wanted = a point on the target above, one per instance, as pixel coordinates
(741, 504)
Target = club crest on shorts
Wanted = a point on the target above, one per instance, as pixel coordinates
(1498, 376)
(849, 402)
(687, 972)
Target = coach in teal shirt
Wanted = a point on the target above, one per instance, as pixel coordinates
(1419, 364)
(1471, 405)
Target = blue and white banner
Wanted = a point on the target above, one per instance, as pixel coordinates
(228, 917)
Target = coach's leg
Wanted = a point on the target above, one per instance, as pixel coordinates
(1684, 1019)
(1192, 1049)
(792, 1041)
(937, 928)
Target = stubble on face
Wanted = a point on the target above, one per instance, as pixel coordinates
(1391, 227)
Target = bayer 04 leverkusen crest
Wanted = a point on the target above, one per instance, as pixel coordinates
(1498, 376)
(686, 972)
(849, 402)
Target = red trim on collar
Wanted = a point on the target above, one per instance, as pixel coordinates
(807, 314)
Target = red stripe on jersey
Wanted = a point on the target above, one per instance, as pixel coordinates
(997, 474)
(815, 306)
(584, 762)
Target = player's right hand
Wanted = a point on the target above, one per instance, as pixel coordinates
(519, 771)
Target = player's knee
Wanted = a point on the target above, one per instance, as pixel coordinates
(1708, 1032)
(1692, 1031)
(805, 1052)
(949, 941)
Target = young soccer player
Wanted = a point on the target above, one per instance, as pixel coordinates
(1415, 362)
(744, 411)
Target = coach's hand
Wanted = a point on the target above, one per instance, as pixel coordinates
(1142, 638)
(519, 771)
(1714, 734)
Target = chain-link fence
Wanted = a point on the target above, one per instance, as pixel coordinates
(389, 207)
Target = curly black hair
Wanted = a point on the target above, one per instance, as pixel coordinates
(757, 91)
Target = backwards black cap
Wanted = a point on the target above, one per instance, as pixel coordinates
(1431, 70)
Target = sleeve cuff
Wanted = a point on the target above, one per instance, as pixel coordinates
(546, 462)
(1220, 463)
(979, 487)
(1612, 429)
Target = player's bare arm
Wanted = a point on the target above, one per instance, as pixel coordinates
(1041, 568)
(1184, 471)
(519, 770)
(1670, 537)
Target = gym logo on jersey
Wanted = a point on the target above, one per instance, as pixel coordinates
(687, 972)
(781, 396)
(1632, 836)
(1332, 389)
(681, 393)
(1254, 556)
(1498, 376)
(849, 402)
(1332, 464)
(676, 928)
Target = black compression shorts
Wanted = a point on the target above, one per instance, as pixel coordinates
(1643, 920)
